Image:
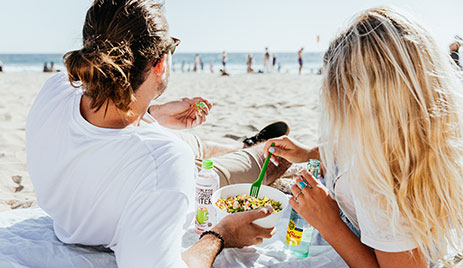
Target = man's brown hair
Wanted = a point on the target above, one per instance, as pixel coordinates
(122, 39)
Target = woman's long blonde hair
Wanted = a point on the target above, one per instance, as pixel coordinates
(392, 121)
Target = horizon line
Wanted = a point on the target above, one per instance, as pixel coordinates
(183, 52)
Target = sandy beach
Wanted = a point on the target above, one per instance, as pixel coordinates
(243, 104)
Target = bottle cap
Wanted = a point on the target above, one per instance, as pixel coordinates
(207, 164)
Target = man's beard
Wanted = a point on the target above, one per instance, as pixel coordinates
(161, 88)
(162, 85)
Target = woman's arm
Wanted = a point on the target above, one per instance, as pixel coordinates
(356, 254)
(348, 245)
(319, 209)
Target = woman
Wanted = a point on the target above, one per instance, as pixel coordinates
(391, 146)
(111, 174)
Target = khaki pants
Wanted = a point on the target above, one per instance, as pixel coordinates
(242, 166)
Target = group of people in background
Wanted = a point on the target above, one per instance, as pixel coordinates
(50, 69)
(270, 62)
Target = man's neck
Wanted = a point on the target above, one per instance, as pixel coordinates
(108, 116)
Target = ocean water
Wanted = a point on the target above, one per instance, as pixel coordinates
(14, 63)
(236, 62)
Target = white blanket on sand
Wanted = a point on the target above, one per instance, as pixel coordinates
(27, 240)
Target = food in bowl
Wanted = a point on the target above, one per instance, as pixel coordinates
(246, 202)
(242, 189)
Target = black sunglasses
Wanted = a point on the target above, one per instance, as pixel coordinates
(171, 48)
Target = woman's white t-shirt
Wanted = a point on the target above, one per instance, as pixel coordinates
(128, 189)
(376, 230)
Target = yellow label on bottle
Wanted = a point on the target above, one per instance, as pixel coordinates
(293, 234)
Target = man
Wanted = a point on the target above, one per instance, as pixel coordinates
(108, 172)
(266, 60)
(299, 59)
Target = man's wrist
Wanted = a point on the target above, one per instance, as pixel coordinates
(220, 230)
(217, 236)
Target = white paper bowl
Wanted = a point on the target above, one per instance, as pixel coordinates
(244, 188)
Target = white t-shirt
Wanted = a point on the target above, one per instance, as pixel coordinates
(375, 231)
(128, 189)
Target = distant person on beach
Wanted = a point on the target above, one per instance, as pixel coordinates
(211, 66)
(224, 61)
(1, 66)
(391, 135)
(249, 63)
(201, 63)
(274, 60)
(45, 67)
(266, 60)
(182, 67)
(52, 67)
(454, 53)
(299, 59)
(108, 167)
(196, 63)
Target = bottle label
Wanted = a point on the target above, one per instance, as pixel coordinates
(293, 235)
(204, 194)
(206, 216)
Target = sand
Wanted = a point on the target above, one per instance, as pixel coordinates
(243, 104)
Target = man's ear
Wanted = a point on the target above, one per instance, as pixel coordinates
(160, 69)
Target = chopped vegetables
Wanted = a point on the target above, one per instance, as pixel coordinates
(246, 202)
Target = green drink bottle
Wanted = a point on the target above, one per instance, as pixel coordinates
(299, 233)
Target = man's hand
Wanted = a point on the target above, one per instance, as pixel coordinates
(181, 114)
(238, 230)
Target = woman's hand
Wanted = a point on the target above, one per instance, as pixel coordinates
(291, 150)
(238, 230)
(315, 204)
(181, 114)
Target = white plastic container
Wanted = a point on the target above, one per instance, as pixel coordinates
(207, 183)
(244, 188)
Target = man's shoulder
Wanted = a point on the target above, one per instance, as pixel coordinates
(164, 146)
(56, 87)
(173, 160)
(56, 81)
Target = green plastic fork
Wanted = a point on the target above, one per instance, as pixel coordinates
(255, 187)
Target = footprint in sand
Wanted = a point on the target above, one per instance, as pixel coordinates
(252, 128)
(14, 204)
(233, 137)
(17, 179)
(7, 117)
(18, 189)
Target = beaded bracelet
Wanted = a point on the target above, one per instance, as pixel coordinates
(222, 243)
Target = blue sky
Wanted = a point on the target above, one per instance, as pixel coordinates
(54, 26)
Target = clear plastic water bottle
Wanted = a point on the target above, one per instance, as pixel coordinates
(299, 233)
(207, 182)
